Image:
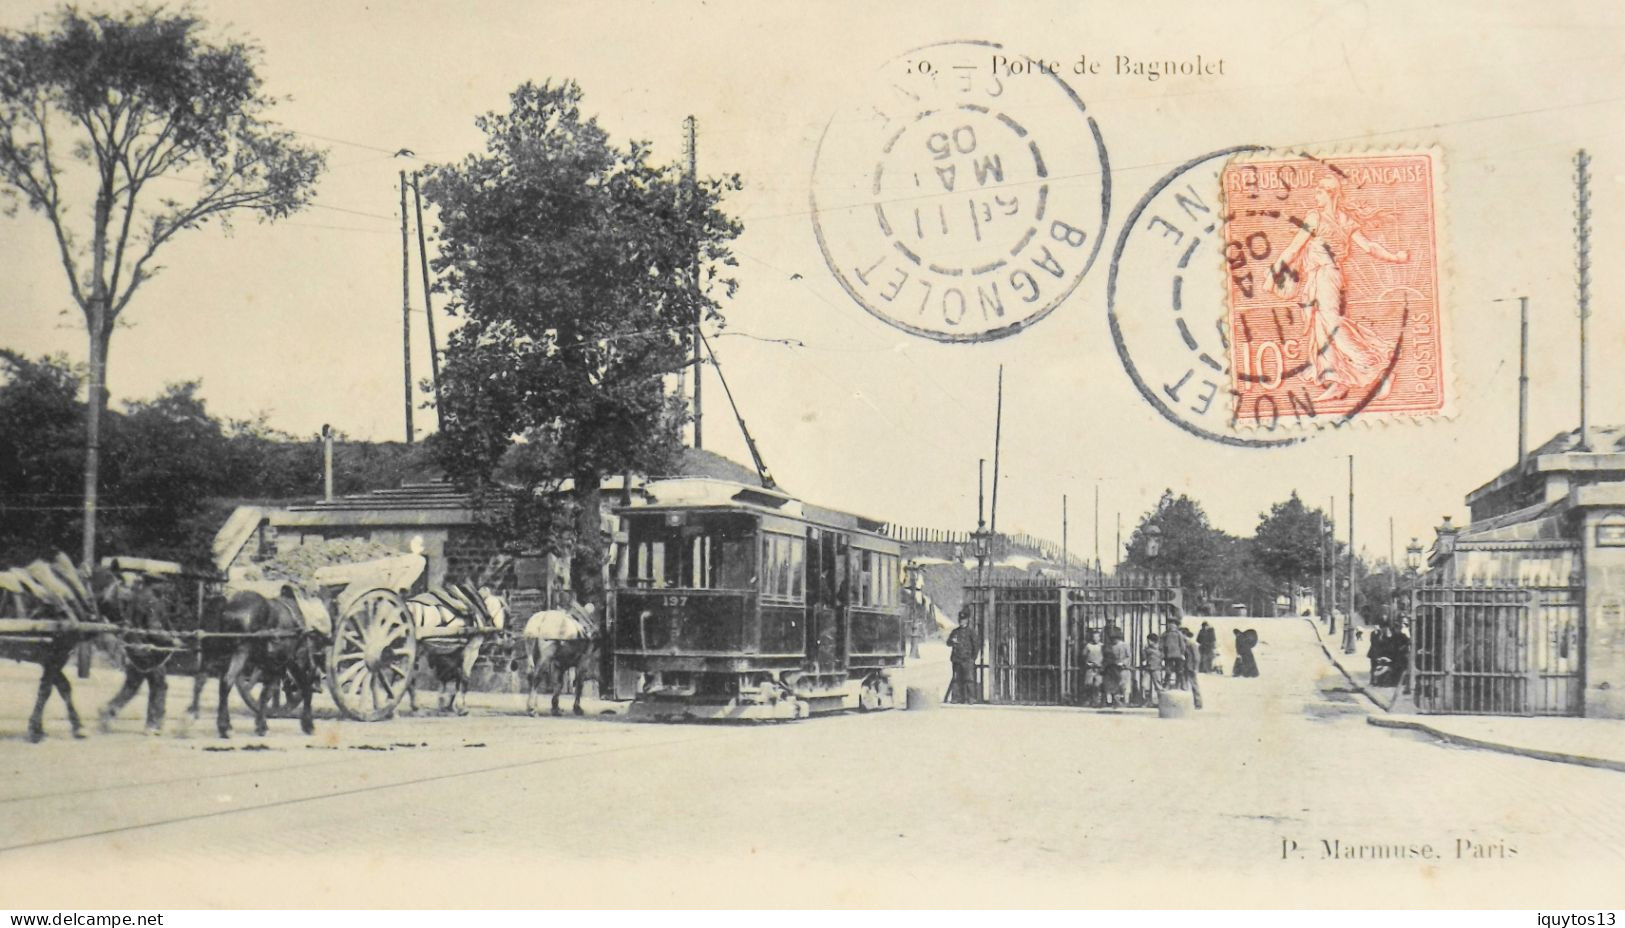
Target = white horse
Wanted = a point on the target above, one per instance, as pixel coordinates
(452, 658)
(559, 640)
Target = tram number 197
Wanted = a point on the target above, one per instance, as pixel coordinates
(674, 600)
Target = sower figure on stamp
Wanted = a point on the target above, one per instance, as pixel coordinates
(1344, 354)
(962, 648)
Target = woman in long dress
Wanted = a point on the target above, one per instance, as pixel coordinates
(1346, 355)
(1246, 665)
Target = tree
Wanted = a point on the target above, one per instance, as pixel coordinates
(42, 442)
(93, 109)
(1188, 545)
(579, 270)
(1287, 543)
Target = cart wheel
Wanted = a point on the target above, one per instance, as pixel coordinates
(374, 650)
(284, 702)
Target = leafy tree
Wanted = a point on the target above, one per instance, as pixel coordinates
(578, 268)
(1188, 545)
(1286, 544)
(94, 108)
(42, 444)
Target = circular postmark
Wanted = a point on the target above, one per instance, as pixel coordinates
(1167, 309)
(962, 201)
(1216, 330)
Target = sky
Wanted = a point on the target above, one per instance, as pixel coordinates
(301, 320)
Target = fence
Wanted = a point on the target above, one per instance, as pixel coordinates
(1033, 633)
(1504, 649)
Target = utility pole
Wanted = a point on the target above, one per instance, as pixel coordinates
(1348, 622)
(1320, 546)
(1393, 570)
(1523, 380)
(428, 303)
(998, 429)
(1582, 233)
(1331, 558)
(1118, 565)
(981, 480)
(1065, 562)
(693, 194)
(1097, 526)
(406, 311)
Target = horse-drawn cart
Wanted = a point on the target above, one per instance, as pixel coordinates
(159, 617)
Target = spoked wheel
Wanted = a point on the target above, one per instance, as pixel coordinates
(374, 650)
(284, 702)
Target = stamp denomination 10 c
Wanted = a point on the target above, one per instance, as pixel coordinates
(1333, 284)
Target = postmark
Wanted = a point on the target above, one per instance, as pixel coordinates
(961, 202)
(1332, 285)
(1166, 307)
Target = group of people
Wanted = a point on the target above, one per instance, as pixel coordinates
(1110, 678)
(1390, 654)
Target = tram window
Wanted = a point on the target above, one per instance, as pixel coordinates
(648, 567)
(782, 559)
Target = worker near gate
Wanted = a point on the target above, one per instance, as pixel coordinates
(1151, 668)
(1116, 671)
(1207, 645)
(1094, 658)
(962, 650)
(1179, 656)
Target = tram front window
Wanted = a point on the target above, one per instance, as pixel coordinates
(697, 551)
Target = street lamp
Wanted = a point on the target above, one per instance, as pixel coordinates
(1153, 541)
(1413, 555)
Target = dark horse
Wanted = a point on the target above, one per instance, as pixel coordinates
(276, 644)
(55, 591)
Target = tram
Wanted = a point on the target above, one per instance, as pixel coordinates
(741, 602)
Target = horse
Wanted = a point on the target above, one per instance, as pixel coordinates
(557, 641)
(56, 590)
(289, 653)
(452, 658)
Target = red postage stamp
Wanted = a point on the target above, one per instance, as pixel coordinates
(1332, 270)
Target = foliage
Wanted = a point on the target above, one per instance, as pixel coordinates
(173, 470)
(1287, 543)
(95, 107)
(42, 446)
(1188, 545)
(579, 269)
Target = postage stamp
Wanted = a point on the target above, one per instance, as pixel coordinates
(1166, 306)
(963, 200)
(1332, 283)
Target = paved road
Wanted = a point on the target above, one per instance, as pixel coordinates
(955, 806)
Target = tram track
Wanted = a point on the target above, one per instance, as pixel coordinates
(342, 793)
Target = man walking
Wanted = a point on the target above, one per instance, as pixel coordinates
(1207, 643)
(962, 650)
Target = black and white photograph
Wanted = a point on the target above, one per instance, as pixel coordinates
(703, 454)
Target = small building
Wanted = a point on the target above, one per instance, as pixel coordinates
(1523, 610)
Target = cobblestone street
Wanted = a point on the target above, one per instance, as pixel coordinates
(958, 805)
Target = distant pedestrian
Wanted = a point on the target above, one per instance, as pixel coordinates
(962, 650)
(1207, 645)
(1116, 672)
(1246, 665)
(1190, 656)
(1094, 658)
(1151, 669)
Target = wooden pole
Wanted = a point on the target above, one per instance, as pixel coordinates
(406, 312)
(1348, 623)
(1065, 564)
(693, 192)
(1582, 230)
(428, 304)
(998, 429)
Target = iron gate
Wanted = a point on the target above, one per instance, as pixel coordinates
(1033, 632)
(1498, 650)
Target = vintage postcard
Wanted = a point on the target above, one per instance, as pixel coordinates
(814, 455)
